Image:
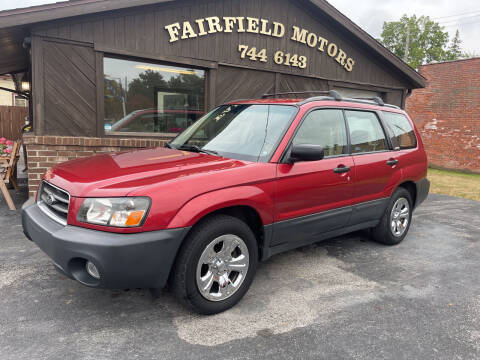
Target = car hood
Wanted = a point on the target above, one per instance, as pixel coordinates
(118, 174)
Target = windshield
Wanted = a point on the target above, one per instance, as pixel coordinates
(245, 132)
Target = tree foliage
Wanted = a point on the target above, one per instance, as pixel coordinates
(455, 50)
(469, 54)
(427, 41)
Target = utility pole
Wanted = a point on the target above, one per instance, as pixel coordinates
(407, 44)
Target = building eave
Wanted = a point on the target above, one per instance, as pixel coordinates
(50, 12)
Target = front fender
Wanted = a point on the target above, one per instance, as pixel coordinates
(259, 197)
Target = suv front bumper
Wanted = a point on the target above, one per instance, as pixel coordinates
(140, 260)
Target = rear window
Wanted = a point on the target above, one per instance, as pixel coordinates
(403, 134)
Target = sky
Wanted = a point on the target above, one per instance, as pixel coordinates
(463, 15)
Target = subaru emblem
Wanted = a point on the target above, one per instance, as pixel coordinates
(50, 199)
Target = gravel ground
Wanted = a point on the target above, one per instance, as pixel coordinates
(343, 298)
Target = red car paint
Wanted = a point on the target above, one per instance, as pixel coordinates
(186, 186)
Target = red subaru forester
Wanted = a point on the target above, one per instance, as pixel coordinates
(248, 180)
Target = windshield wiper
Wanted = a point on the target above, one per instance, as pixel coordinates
(167, 145)
(197, 149)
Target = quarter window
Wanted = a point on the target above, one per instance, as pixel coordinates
(325, 128)
(403, 134)
(366, 133)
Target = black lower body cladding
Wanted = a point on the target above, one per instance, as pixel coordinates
(423, 187)
(142, 260)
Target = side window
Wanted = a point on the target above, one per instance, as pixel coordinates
(326, 128)
(366, 133)
(403, 134)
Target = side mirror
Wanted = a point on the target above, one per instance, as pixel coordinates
(306, 152)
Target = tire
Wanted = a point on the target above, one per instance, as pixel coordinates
(392, 234)
(198, 259)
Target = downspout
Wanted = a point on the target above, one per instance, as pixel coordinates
(406, 94)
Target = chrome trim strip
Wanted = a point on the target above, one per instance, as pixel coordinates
(59, 189)
(59, 198)
(50, 214)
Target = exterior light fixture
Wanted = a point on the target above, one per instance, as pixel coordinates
(25, 86)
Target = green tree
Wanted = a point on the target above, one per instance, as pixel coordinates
(469, 54)
(114, 97)
(455, 50)
(142, 90)
(190, 84)
(416, 40)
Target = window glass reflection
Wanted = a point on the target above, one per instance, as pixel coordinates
(151, 98)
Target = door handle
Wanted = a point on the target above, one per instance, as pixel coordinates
(341, 169)
(392, 162)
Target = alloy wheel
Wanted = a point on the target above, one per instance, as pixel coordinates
(222, 267)
(399, 217)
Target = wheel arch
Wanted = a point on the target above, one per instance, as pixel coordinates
(247, 203)
(410, 186)
(249, 216)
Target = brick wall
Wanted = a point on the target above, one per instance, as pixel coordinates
(447, 113)
(45, 151)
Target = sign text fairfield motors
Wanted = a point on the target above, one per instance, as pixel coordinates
(228, 24)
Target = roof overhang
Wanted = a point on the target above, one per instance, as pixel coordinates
(15, 23)
(14, 57)
(49, 12)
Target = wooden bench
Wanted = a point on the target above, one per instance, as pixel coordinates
(7, 172)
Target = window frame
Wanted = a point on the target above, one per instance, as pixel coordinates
(381, 122)
(132, 58)
(17, 96)
(386, 132)
(391, 133)
(286, 152)
(347, 135)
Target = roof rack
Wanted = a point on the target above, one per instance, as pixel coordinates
(377, 99)
(331, 93)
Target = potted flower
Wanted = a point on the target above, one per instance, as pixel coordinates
(5, 147)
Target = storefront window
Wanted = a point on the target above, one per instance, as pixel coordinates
(151, 98)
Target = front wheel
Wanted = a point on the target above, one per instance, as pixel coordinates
(216, 265)
(395, 223)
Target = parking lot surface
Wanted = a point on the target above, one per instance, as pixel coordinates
(343, 298)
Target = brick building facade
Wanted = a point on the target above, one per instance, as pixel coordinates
(447, 113)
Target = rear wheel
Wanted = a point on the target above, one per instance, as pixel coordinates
(395, 223)
(216, 265)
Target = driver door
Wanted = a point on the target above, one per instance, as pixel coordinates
(314, 197)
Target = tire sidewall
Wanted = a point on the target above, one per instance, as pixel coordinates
(233, 226)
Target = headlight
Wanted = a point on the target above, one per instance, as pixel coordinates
(118, 212)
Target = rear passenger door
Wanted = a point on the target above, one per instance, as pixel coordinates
(376, 167)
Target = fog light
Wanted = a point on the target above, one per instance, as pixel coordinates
(92, 270)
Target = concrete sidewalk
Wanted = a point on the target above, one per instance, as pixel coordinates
(343, 298)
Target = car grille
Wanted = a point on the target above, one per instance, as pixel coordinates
(54, 202)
